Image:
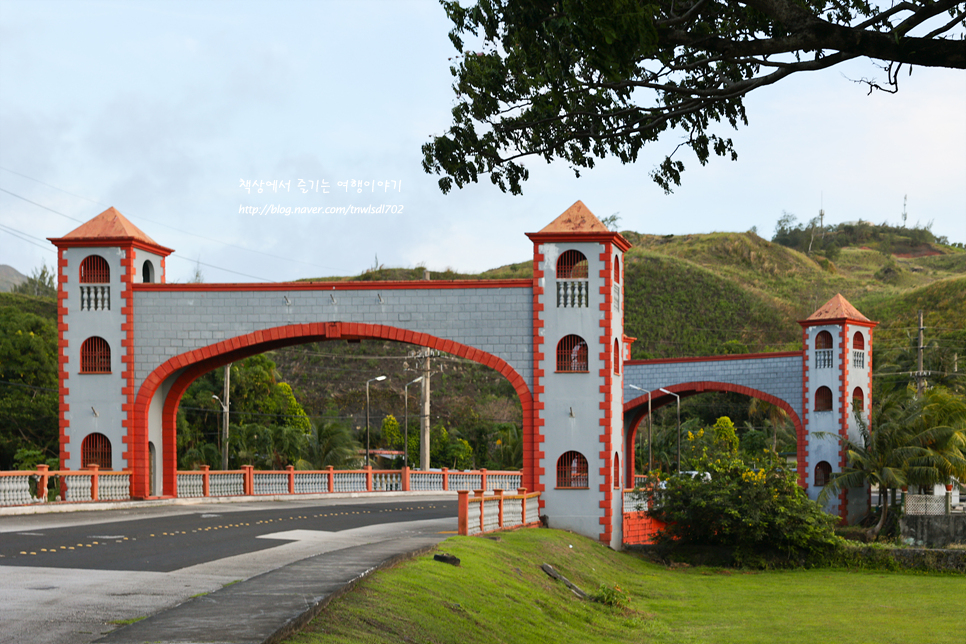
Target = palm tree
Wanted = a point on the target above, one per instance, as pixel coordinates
(913, 440)
(331, 443)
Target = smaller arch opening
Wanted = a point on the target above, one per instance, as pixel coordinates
(617, 358)
(617, 269)
(95, 270)
(572, 354)
(823, 340)
(147, 272)
(96, 450)
(858, 399)
(617, 471)
(95, 356)
(572, 471)
(823, 399)
(823, 474)
(572, 265)
(858, 341)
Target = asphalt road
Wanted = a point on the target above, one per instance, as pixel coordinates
(71, 578)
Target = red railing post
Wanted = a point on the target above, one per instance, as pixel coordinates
(249, 480)
(522, 491)
(331, 471)
(94, 482)
(404, 476)
(368, 469)
(464, 512)
(499, 494)
(446, 479)
(483, 478)
(42, 469)
(291, 479)
(205, 480)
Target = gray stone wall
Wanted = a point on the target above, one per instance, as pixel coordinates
(933, 531)
(174, 321)
(779, 376)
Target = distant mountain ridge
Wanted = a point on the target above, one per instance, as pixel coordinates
(9, 278)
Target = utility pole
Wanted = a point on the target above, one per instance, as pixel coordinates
(424, 416)
(920, 375)
(224, 423)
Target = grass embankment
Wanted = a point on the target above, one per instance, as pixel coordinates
(500, 594)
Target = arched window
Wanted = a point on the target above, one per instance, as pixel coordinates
(858, 399)
(572, 470)
(823, 340)
(617, 358)
(823, 399)
(617, 269)
(147, 272)
(823, 472)
(572, 354)
(96, 450)
(858, 341)
(94, 270)
(572, 265)
(617, 471)
(95, 356)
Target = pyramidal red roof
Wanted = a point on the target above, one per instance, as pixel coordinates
(837, 308)
(576, 219)
(109, 224)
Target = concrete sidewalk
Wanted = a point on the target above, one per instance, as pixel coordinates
(271, 606)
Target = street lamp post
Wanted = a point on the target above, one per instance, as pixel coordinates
(650, 423)
(679, 424)
(406, 429)
(376, 379)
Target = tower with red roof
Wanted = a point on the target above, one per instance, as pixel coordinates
(96, 265)
(836, 394)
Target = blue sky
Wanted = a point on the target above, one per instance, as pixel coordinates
(161, 108)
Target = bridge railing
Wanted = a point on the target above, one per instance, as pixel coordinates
(251, 482)
(91, 484)
(479, 513)
(43, 485)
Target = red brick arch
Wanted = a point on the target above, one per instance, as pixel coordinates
(200, 361)
(638, 407)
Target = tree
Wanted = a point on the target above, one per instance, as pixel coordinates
(42, 283)
(580, 80)
(912, 441)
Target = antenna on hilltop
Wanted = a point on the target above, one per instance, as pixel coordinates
(905, 199)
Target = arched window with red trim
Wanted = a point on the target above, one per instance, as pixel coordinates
(95, 270)
(858, 341)
(858, 399)
(617, 471)
(617, 269)
(572, 354)
(95, 356)
(823, 340)
(96, 450)
(572, 471)
(823, 474)
(823, 399)
(572, 265)
(617, 358)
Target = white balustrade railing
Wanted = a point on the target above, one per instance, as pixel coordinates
(426, 481)
(190, 485)
(311, 482)
(226, 484)
(270, 483)
(479, 514)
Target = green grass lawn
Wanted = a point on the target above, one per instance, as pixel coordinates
(499, 594)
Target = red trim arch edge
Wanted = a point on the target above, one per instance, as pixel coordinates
(694, 388)
(200, 361)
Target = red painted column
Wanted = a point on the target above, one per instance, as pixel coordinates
(291, 479)
(404, 476)
(205, 481)
(95, 482)
(464, 511)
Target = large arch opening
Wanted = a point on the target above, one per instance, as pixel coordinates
(635, 411)
(159, 397)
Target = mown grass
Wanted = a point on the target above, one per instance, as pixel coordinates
(499, 594)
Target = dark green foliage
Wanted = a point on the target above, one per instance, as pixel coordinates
(756, 512)
(581, 80)
(28, 385)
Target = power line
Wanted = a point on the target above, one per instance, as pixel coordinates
(11, 231)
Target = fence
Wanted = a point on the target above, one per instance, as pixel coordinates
(925, 504)
(479, 513)
(20, 488)
(43, 485)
